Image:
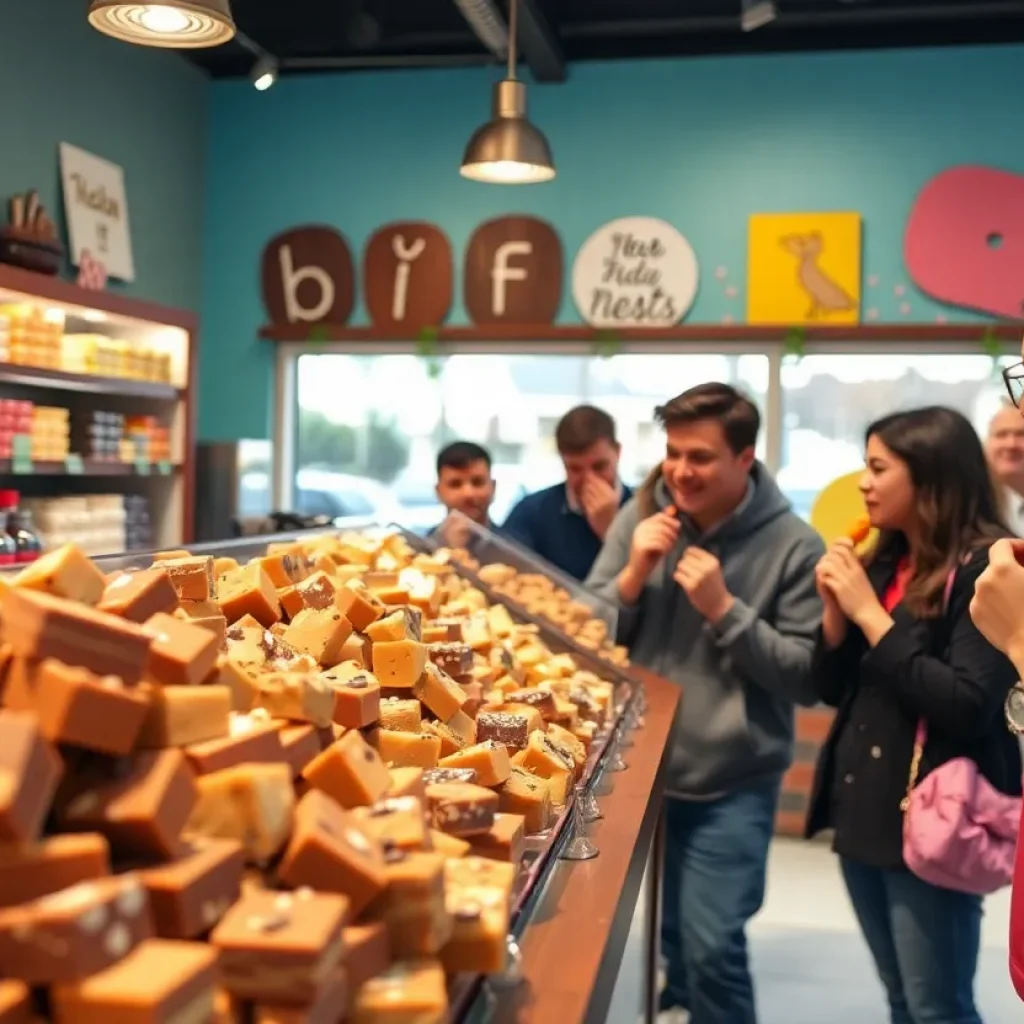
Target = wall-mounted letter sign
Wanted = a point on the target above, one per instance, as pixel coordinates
(513, 272)
(308, 277)
(407, 276)
(634, 272)
(964, 242)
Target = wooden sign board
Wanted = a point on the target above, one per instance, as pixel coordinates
(308, 276)
(635, 272)
(513, 272)
(408, 276)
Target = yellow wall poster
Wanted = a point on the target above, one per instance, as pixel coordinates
(803, 268)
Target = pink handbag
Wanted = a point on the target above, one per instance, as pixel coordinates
(959, 831)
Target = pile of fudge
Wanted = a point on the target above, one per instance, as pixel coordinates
(295, 790)
(541, 597)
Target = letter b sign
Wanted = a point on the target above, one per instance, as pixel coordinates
(513, 272)
(308, 277)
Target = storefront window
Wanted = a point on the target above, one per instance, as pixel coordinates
(829, 400)
(369, 427)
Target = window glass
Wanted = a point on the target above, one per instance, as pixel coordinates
(374, 424)
(828, 401)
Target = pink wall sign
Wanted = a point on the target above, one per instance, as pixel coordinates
(964, 242)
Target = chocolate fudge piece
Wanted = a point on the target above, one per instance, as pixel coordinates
(512, 731)
(456, 659)
(461, 809)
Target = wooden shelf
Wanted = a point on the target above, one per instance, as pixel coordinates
(90, 467)
(59, 380)
(736, 333)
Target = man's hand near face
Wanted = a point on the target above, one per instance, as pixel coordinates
(600, 501)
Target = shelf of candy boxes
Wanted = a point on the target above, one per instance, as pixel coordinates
(41, 433)
(32, 335)
(96, 523)
(274, 788)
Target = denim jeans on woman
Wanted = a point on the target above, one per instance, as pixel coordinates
(924, 941)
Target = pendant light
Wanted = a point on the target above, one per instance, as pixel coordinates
(508, 150)
(175, 24)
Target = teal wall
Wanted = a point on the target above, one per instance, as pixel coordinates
(145, 109)
(700, 143)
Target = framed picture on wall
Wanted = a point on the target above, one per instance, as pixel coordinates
(96, 208)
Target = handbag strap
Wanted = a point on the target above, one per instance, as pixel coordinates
(921, 733)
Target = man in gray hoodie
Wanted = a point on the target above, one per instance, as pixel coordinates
(714, 578)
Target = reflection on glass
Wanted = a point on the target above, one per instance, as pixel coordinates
(828, 402)
(370, 426)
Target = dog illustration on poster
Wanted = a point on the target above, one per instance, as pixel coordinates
(803, 268)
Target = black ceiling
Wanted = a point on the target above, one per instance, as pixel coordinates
(319, 35)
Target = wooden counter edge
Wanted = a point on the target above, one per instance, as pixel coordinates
(583, 916)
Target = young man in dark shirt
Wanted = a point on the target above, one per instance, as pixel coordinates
(566, 524)
(464, 484)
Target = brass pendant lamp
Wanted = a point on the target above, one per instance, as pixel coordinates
(508, 150)
(174, 24)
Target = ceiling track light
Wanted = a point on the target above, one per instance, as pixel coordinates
(174, 24)
(755, 14)
(508, 150)
(264, 72)
(487, 24)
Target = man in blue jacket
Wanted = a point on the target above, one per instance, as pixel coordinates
(566, 524)
(713, 575)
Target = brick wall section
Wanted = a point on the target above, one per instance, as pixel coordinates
(812, 725)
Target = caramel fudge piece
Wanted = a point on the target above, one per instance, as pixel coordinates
(511, 731)
(39, 626)
(137, 596)
(463, 728)
(480, 873)
(566, 741)
(282, 568)
(449, 775)
(481, 920)
(358, 605)
(460, 808)
(330, 852)
(504, 840)
(449, 846)
(16, 1003)
(67, 572)
(323, 1009)
(533, 718)
(358, 648)
(407, 782)
(395, 822)
(454, 659)
(249, 591)
(356, 695)
(188, 896)
(440, 693)
(250, 739)
(451, 743)
(399, 663)
(367, 953)
(251, 803)
(529, 796)
(259, 650)
(291, 601)
(206, 614)
(160, 982)
(297, 696)
(318, 591)
(403, 624)
(140, 809)
(413, 990)
(181, 715)
(192, 578)
(300, 744)
(546, 757)
(31, 870)
(400, 715)
(275, 947)
(349, 771)
(241, 684)
(489, 760)
(30, 770)
(408, 750)
(74, 932)
(74, 706)
(319, 633)
(182, 653)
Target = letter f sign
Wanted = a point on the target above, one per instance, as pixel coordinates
(501, 272)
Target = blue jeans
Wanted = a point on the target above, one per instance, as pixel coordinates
(924, 941)
(716, 854)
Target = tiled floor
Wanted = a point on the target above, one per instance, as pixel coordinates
(810, 964)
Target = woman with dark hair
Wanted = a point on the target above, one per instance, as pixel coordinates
(898, 647)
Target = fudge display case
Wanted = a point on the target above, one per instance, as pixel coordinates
(96, 413)
(582, 878)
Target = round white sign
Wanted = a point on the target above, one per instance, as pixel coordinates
(635, 272)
